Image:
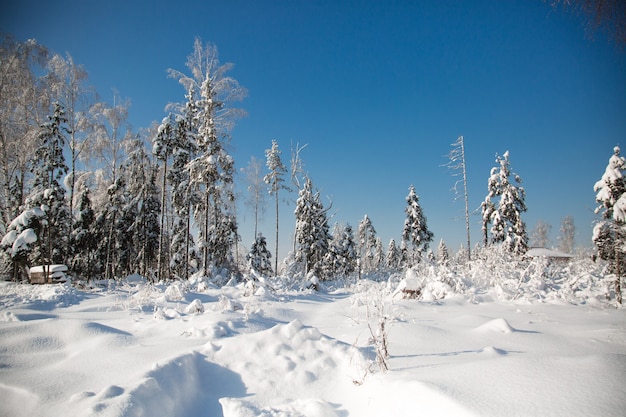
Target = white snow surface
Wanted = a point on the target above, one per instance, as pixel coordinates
(191, 349)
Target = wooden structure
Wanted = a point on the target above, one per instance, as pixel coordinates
(47, 274)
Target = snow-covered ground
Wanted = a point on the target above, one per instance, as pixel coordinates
(135, 349)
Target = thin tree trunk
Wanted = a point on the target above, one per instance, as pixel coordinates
(276, 252)
(187, 241)
(160, 258)
(206, 232)
(618, 274)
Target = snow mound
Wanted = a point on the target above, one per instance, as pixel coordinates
(492, 351)
(186, 385)
(498, 325)
(285, 363)
(195, 307)
(299, 408)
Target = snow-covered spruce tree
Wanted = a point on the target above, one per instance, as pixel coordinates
(212, 169)
(106, 228)
(163, 145)
(342, 256)
(443, 256)
(183, 255)
(567, 234)
(367, 245)
(609, 234)
(84, 240)
(415, 232)
(275, 180)
(22, 234)
(393, 256)
(142, 210)
(503, 207)
(379, 255)
(48, 192)
(312, 231)
(259, 258)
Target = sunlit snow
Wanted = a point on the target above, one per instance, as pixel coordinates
(130, 348)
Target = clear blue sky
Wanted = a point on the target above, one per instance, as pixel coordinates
(378, 90)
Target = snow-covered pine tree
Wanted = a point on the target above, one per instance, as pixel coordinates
(163, 145)
(505, 213)
(443, 257)
(22, 234)
(183, 255)
(48, 192)
(379, 255)
(393, 256)
(567, 234)
(259, 258)
(212, 169)
(146, 225)
(275, 180)
(312, 231)
(609, 234)
(106, 228)
(342, 253)
(415, 232)
(84, 241)
(367, 245)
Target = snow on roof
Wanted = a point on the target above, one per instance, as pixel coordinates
(548, 253)
(53, 268)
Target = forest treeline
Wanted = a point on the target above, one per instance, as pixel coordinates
(80, 187)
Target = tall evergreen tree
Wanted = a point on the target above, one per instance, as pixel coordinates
(146, 228)
(83, 238)
(212, 169)
(163, 145)
(48, 192)
(367, 245)
(275, 179)
(505, 213)
(443, 256)
(379, 255)
(342, 256)
(415, 232)
(393, 256)
(108, 224)
(312, 231)
(609, 234)
(259, 258)
(183, 255)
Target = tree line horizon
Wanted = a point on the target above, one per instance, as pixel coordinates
(80, 187)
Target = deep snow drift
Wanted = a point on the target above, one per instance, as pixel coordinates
(132, 349)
